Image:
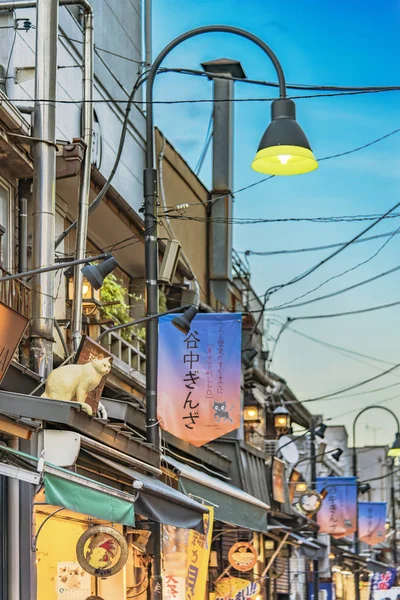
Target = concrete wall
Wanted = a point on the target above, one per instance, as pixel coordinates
(117, 28)
(373, 462)
(178, 185)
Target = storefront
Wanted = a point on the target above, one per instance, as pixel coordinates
(92, 538)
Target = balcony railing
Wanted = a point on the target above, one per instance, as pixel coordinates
(16, 294)
(132, 354)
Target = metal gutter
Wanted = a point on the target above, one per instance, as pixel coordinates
(69, 414)
(125, 412)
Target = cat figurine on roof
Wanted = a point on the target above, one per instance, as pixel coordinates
(74, 382)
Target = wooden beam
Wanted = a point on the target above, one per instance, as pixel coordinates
(12, 428)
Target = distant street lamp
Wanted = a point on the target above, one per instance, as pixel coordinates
(392, 452)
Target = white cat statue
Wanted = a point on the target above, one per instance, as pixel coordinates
(74, 382)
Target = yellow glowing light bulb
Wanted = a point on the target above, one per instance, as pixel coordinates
(284, 158)
(251, 413)
(85, 289)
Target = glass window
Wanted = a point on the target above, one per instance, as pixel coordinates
(5, 223)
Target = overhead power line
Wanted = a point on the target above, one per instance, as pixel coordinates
(327, 247)
(338, 292)
(352, 387)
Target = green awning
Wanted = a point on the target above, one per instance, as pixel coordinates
(232, 505)
(69, 490)
(86, 496)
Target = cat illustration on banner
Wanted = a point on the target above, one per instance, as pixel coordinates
(220, 411)
(74, 382)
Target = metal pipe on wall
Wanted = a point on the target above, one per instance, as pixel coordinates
(44, 179)
(83, 208)
(23, 193)
(13, 542)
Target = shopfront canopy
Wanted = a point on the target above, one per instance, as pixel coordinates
(232, 505)
(69, 490)
(160, 502)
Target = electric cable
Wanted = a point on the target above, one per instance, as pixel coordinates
(352, 387)
(206, 145)
(317, 248)
(93, 205)
(338, 292)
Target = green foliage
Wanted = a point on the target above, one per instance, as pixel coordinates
(113, 290)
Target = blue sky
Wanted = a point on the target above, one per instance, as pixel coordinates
(319, 43)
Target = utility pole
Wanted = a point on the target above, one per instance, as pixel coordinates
(313, 458)
(44, 183)
(394, 519)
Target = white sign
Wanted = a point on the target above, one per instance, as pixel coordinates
(391, 594)
(73, 582)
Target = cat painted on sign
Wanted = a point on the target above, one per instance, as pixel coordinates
(220, 411)
(74, 382)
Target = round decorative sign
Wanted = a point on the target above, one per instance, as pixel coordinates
(242, 556)
(102, 551)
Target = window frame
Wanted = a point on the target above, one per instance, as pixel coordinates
(8, 248)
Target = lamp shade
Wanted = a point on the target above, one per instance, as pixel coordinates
(251, 413)
(183, 322)
(95, 274)
(363, 488)
(284, 148)
(281, 418)
(394, 451)
(320, 430)
(336, 454)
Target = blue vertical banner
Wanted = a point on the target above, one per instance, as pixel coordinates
(371, 522)
(199, 377)
(338, 513)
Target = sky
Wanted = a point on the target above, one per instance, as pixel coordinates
(320, 43)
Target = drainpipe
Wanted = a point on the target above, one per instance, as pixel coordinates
(13, 546)
(44, 192)
(24, 189)
(82, 226)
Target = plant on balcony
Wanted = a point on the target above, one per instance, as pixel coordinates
(114, 291)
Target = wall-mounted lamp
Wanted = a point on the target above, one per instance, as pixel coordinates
(320, 430)
(90, 296)
(251, 413)
(281, 420)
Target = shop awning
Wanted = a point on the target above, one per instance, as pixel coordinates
(70, 490)
(160, 502)
(232, 505)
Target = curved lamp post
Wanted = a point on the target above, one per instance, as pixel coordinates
(392, 452)
(284, 150)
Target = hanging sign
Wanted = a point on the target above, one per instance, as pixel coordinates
(234, 588)
(186, 556)
(199, 546)
(338, 513)
(371, 522)
(199, 377)
(242, 556)
(12, 327)
(102, 551)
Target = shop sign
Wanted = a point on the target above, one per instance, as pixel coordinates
(199, 377)
(102, 551)
(371, 522)
(87, 351)
(73, 582)
(383, 581)
(12, 327)
(278, 480)
(186, 556)
(234, 588)
(242, 556)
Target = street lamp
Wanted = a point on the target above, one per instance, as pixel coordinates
(393, 452)
(284, 148)
(282, 140)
